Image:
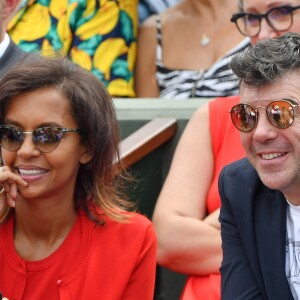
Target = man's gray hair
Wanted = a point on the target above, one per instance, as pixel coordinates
(268, 61)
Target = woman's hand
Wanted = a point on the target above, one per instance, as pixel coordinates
(9, 181)
(3, 298)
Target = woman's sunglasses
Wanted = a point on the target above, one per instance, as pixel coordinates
(45, 139)
(279, 113)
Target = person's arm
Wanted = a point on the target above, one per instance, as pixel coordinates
(188, 242)
(142, 281)
(237, 278)
(145, 79)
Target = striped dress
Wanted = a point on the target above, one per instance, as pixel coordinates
(217, 81)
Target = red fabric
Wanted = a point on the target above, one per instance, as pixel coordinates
(226, 148)
(114, 261)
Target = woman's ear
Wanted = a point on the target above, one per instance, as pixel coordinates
(86, 156)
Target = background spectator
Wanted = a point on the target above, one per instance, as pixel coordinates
(98, 35)
(9, 52)
(185, 51)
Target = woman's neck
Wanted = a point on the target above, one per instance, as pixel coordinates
(41, 227)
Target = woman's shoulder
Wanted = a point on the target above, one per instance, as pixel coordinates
(170, 16)
(134, 222)
(131, 222)
(136, 230)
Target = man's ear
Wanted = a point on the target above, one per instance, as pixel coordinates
(10, 7)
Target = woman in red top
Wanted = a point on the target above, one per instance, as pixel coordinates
(69, 233)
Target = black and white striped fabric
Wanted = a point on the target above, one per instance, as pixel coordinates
(217, 81)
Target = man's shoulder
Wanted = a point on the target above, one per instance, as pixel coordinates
(240, 180)
(241, 168)
(14, 55)
(14, 52)
(240, 175)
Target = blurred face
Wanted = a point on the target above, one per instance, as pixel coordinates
(7, 9)
(52, 173)
(275, 153)
(261, 7)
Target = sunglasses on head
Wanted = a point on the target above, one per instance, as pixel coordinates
(279, 113)
(45, 139)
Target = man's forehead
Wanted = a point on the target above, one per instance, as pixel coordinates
(287, 87)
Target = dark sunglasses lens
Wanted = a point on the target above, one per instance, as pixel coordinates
(47, 139)
(280, 114)
(11, 139)
(243, 117)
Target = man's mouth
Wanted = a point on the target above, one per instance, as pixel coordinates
(269, 156)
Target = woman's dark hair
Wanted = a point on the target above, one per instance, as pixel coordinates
(99, 182)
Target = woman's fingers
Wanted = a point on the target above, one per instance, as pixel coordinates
(13, 192)
(4, 206)
(10, 201)
(10, 192)
(6, 175)
(9, 182)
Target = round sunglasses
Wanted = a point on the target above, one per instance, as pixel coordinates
(45, 139)
(279, 113)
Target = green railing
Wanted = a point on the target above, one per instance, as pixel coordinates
(150, 130)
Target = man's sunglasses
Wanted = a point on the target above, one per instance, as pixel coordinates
(45, 139)
(279, 113)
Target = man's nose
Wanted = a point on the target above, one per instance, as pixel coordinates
(264, 130)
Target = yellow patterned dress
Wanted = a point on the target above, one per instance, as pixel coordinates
(99, 35)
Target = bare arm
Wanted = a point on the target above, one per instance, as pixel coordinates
(189, 242)
(145, 78)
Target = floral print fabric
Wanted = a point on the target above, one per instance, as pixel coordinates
(99, 35)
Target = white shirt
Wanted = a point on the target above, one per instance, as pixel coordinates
(292, 262)
(4, 45)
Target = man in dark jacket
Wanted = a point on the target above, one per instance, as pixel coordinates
(9, 52)
(260, 212)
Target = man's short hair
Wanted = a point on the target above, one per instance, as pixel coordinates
(268, 61)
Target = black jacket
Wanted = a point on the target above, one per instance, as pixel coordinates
(11, 56)
(253, 230)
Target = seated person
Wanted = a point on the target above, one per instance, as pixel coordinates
(70, 233)
(260, 212)
(188, 206)
(98, 35)
(10, 54)
(185, 51)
